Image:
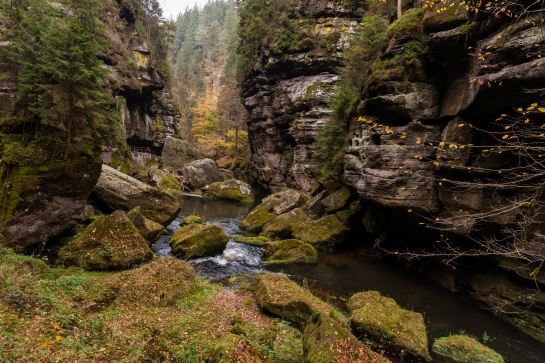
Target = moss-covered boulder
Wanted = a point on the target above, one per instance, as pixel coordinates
(274, 205)
(289, 251)
(321, 233)
(464, 349)
(327, 341)
(149, 229)
(120, 191)
(198, 240)
(111, 242)
(232, 189)
(260, 241)
(191, 220)
(159, 283)
(382, 320)
(234, 348)
(280, 296)
(336, 200)
(282, 226)
(440, 17)
(166, 182)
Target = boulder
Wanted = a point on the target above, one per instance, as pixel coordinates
(464, 349)
(282, 226)
(200, 173)
(191, 220)
(198, 240)
(158, 283)
(166, 182)
(149, 229)
(321, 233)
(289, 251)
(280, 296)
(381, 319)
(327, 341)
(275, 204)
(234, 348)
(177, 153)
(38, 203)
(337, 200)
(112, 242)
(232, 189)
(120, 191)
(260, 241)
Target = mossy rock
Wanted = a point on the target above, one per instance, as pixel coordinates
(321, 233)
(280, 296)
(198, 240)
(282, 226)
(166, 182)
(257, 218)
(233, 348)
(149, 229)
(260, 241)
(232, 189)
(327, 341)
(337, 200)
(111, 242)
(159, 283)
(453, 15)
(289, 251)
(464, 349)
(191, 220)
(383, 321)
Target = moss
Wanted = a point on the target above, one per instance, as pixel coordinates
(170, 185)
(159, 283)
(191, 220)
(337, 200)
(231, 190)
(233, 348)
(327, 341)
(321, 233)
(464, 349)
(198, 240)
(260, 241)
(289, 251)
(257, 218)
(394, 328)
(408, 22)
(149, 229)
(282, 297)
(111, 242)
(283, 225)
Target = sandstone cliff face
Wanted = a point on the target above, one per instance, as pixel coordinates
(287, 96)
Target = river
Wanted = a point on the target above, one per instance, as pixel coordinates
(338, 275)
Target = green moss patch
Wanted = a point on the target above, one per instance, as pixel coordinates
(283, 225)
(393, 328)
(111, 242)
(150, 230)
(280, 296)
(289, 251)
(337, 200)
(321, 233)
(464, 349)
(260, 241)
(198, 240)
(327, 341)
(191, 220)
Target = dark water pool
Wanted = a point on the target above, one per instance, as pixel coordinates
(343, 274)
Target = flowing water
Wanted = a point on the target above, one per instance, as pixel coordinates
(342, 274)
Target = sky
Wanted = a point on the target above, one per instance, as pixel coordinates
(171, 8)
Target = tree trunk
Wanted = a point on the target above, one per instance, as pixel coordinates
(399, 8)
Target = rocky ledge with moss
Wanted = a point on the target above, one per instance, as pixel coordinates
(111, 242)
(198, 240)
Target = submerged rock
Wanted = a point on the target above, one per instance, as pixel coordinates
(200, 173)
(327, 341)
(120, 191)
(289, 251)
(232, 189)
(111, 242)
(198, 240)
(158, 283)
(464, 349)
(282, 297)
(382, 320)
(234, 348)
(149, 229)
(166, 182)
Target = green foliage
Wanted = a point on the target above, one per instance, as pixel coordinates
(409, 21)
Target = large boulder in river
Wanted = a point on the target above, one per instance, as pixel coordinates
(280, 296)
(381, 319)
(177, 153)
(327, 341)
(275, 204)
(38, 203)
(166, 182)
(464, 349)
(198, 240)
(232, 189)
(120, 191)
(150, 230)
(111, 242)
(200, 173)
(289, 251)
